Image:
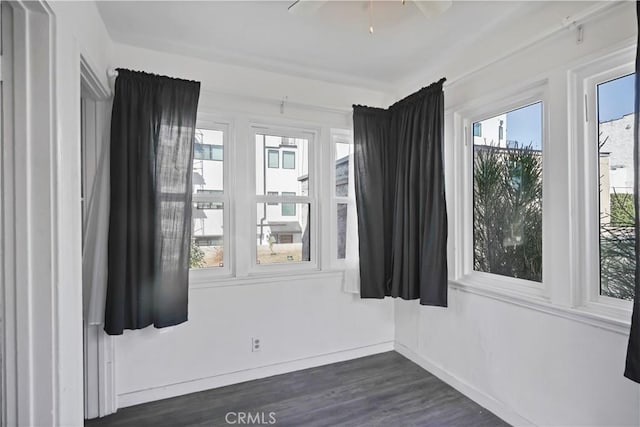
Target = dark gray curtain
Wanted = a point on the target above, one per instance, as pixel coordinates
(399, 184)
(152, 131)
(632, 370)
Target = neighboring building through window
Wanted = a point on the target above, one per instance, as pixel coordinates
(507, 194)
(208, 212)
(283, 230)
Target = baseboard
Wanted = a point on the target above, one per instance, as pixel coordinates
(179, 389)
(498, 408)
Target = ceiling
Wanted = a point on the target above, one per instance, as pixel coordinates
(332, 44)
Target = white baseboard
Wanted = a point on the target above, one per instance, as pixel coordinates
(478, 396)
(179, 389)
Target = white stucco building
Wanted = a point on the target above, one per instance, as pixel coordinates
(616, 137)
(491, 131)
(616, 161)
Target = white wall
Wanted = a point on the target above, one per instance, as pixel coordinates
(301, 321)
(305, 321)
(528, 363)
(232, 88)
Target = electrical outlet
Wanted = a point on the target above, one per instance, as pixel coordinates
(255, 344)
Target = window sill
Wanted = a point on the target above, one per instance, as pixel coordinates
(504, 284)
(588, 314)
(204, 281)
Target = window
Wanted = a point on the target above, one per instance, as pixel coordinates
(477, 129)
(288, 160)
(615, 143)
(602, 206)
(207, 151)
(507, 194)
(273, 159)
(272, 193)
(288, 209)
(209, 200)
(284, 199)
(275, 212)
(344, 195)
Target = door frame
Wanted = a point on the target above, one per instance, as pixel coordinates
(98, 348)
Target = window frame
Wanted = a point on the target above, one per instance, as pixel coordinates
(313, 147)
(585, 183)
(205, 273)
(486, 108)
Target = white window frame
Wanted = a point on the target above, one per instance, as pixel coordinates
(202, 274)
(584, 183)
(482, 109)
(342, 136)
(312, 136)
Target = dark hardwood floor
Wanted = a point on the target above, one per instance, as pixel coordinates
(381, 390)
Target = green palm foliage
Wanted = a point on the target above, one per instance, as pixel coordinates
(507, 208)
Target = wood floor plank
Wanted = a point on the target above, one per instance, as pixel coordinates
(382, 390)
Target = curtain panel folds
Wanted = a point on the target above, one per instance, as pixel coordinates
(400, 197)
(632, 370)
(152, 130)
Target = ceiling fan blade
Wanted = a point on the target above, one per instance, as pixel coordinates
(306, 7)
(432, 8)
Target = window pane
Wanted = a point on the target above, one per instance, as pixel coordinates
(217, 152)
(208, 167)
(207, 236)
(341, 212)
(282, 239)
(288, 209)
(274, 159)
(616, 113)
(507, 194)
(293, 177)
(272, 193)
(288, 160)
(343, 151)
(477, 129)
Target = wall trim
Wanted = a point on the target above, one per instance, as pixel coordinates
(90, 78)
(499, 408)
(178, 389)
